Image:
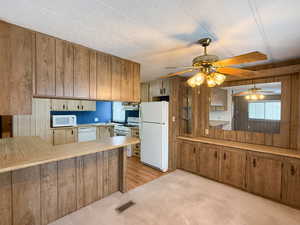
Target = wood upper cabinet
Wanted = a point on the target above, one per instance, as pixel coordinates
(144, 92)
(159, 88)
(264, 174)
(104, 76)
(117, 73)
(59, 105)
(208, 161)
(188, 156)
(81, 72)
(291, 183)
(93, 74)
(136, 82)
(233, 167)
(64, 65)
(127, 81)
(45, 65)
(86, 105)
(16, 68)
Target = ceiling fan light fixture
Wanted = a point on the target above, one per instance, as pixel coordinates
(191, 82)
(199, 78)
(219, 78)
(210, 81)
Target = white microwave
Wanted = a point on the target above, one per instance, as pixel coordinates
(64, 121)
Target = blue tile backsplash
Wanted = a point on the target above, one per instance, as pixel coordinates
(103, 113)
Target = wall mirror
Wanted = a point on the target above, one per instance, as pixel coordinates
(253, 108)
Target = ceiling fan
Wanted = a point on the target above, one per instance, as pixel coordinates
(210, 68)
(254, 93)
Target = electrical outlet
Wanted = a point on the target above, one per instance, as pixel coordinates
(206, 131)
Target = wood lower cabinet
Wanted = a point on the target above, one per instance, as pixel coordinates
(208, 161)
(17, 69)
(233, 167)
(65, 136)
(291, 183)
(264, 174)
(103, 131)
(188, 156)
(86, 167)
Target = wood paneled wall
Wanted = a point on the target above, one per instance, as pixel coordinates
(289, 136)
(36, 124)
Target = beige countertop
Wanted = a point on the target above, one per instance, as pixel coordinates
(22, 152)
(249, 147)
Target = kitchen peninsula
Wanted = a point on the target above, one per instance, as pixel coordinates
(40, 183)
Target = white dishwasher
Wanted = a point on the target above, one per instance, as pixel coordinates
(87, 134)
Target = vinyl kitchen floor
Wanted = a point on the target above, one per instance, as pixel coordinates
(181, 198)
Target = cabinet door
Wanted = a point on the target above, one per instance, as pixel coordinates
(127, 82)
(208, 161)
(58, 105)
(73, 105)
(233, 167)
(71, 135)
(104, 85)
(165, 87)
(145, 92)
(136, 82)
(291, 185)
(264, 175)
(59, 136)
(188, 156)
(64, 64)
(45, 65)
(155, 88)
(88, 105)
(16, 66)
(86, 172)
(93, 75)
(81, 72)
(117, 72)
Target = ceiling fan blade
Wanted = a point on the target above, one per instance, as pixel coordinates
(176, 73)
(242, 93)
(245, 58)
(235, 71)
(178, 67)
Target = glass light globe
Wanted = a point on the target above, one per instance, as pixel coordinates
(210, 81)
(261, 96)
(191, 82)
(199, 78)
(247, 97)
(254, 97)
(219, 78)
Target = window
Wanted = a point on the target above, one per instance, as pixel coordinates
(264, 110)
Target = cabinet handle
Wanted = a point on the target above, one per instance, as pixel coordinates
(72, 132)
(293, 171)
(224, 156)
(160, 91)
(64, 106)
(77, 106)
(194, 150)
(254, 163)
(216, 154)
(82, 107)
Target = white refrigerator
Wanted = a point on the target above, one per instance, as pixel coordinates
(154, 134)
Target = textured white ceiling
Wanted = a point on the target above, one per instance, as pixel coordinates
(155, 32)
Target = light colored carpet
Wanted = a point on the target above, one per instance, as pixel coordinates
(182, 198)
